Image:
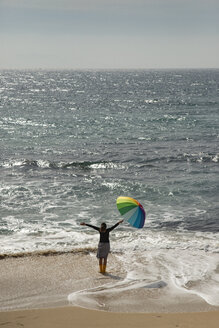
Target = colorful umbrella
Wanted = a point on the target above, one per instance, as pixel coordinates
(132, 210)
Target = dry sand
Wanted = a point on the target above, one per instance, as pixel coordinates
(70, 317)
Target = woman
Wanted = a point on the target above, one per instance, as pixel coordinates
(104, 244)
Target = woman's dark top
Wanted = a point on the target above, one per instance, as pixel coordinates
(104, 235)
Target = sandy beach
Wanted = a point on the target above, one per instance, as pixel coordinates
(35, 292)
(51, 279)
(77, 317)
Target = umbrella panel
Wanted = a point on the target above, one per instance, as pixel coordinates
(126, 207)
(137, 219)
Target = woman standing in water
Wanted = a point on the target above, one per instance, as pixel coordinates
(104, 244)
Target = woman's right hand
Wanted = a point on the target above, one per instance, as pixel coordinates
(82, 223)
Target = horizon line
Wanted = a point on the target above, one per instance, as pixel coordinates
(104, 69)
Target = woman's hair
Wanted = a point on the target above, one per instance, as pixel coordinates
(103, 227)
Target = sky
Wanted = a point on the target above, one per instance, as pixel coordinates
(109, 34)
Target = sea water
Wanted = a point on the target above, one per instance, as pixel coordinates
(73, 141)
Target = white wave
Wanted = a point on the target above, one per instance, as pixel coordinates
(151, 101)
(109, 165)
(12, 163)
(43, 163)
(26, 122)
(24, 162)
(215, 158)
(177, 270)
(196, 273)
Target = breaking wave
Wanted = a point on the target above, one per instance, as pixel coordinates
(104, 165)
(46, 164)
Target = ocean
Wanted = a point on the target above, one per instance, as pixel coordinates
(73, 141)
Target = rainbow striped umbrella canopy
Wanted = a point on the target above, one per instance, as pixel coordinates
(132, 210)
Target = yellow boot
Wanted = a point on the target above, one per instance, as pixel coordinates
(101, 268)
(104, 269)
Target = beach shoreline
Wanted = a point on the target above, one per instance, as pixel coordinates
(72, 279)
(64, 289)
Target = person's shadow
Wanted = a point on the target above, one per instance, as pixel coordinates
(111, 276)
